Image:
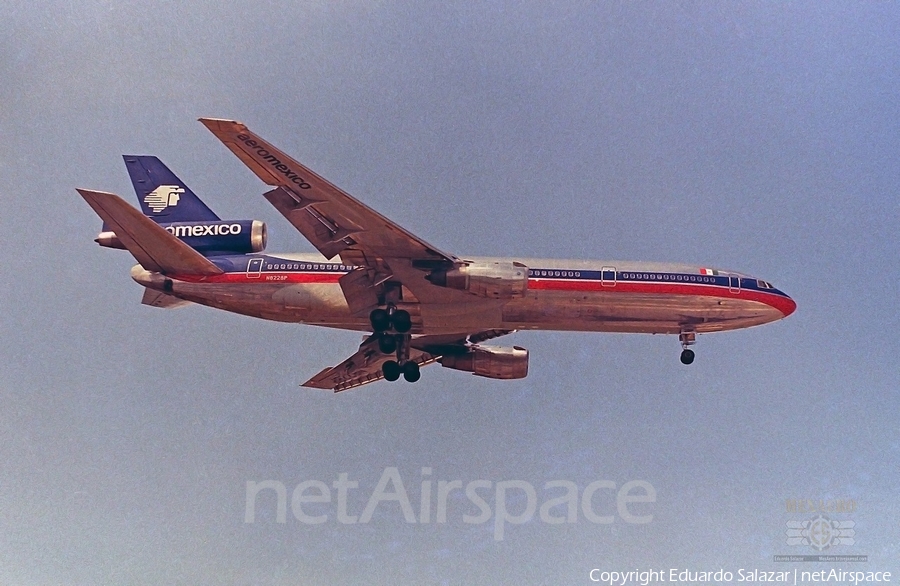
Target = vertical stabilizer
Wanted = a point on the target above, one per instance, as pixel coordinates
(163, 196)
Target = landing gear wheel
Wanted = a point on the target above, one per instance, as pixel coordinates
(401, 321)
(381, 321)
(387, 344)
(687, 356)
(411, 371)
(390, 370)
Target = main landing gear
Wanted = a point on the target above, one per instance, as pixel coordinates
(393, 369)
(392, 327)
(385, 319)
(687, 339)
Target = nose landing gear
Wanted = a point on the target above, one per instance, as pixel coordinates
(687, 339)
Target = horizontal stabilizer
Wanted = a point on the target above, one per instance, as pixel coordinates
(148, 242)
(164, 300)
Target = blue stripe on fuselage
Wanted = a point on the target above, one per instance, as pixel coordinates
(270, 264)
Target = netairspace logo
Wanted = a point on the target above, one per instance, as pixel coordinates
(598, 501)
(162, 197)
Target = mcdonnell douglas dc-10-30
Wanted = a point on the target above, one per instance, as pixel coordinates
(416, 303)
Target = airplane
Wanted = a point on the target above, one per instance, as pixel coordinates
(415, 303)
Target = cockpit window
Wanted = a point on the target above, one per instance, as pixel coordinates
(764, 285)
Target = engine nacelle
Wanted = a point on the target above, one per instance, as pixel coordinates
(495, 280)
(490, 362)
(235, 237)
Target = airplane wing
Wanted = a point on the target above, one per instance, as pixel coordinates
(336, 223)
(365, 365)
(329, 218)
(362, 368)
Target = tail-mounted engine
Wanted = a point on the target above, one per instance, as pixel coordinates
(238, 237)
(495, 280)
(490, 361)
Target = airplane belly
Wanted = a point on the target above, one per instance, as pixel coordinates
(310, 303)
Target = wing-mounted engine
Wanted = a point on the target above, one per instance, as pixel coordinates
(233, 237)
(490, 361)
(494, 280)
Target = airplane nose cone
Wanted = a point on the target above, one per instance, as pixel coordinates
(787, 306)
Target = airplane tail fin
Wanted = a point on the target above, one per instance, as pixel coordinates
(163, 196)
(148, 242)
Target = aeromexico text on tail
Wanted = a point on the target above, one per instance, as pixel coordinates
(416, 303)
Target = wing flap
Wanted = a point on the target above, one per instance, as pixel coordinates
(444, 343)
(325, 235)
(147, 241)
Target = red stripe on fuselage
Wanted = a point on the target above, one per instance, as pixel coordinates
(783, 304)
(266, 277)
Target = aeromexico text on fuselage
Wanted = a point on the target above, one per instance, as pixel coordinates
(255, 266)
(185, 230)
(220, 237)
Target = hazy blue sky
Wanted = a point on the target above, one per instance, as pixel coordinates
(761, 137)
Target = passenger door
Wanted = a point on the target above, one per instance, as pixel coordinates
(254, 268)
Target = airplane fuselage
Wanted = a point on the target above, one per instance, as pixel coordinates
(572, 295)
